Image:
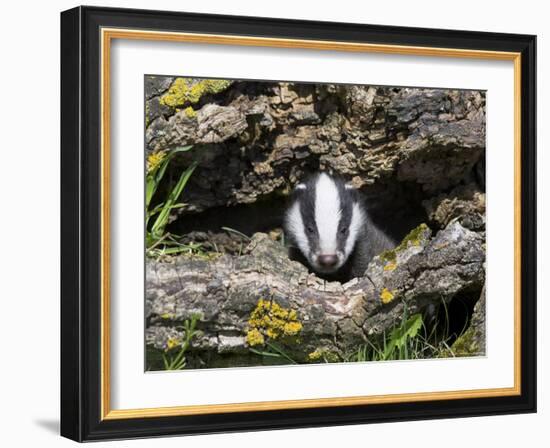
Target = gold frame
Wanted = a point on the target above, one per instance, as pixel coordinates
(107, 35)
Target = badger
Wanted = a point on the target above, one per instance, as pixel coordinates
(328, 229)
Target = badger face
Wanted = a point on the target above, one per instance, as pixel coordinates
(324, 221)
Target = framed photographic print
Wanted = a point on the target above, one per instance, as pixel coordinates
(274, 223)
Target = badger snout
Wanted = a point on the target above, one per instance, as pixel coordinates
(327, 261)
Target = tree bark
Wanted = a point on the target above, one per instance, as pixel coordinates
(334, 319)
(258, 139)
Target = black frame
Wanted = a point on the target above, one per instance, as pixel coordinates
(81, 223)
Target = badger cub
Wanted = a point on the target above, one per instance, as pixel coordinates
(329, 229)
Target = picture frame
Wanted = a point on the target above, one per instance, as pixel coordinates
(87, 35)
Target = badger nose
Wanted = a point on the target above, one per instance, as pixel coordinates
(328, 260)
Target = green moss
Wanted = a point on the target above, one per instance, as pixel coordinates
(187, 90)
(466, 344)
(201, 255)
(389, 256)
(413, 238)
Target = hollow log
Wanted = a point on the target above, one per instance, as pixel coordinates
(254, 140)
(329, 319)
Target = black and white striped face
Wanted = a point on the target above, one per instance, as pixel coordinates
(324, 221)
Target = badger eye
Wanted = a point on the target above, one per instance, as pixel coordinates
(310, 229)
(343, 230)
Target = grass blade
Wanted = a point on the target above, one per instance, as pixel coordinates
(162, 219)
(236, 232)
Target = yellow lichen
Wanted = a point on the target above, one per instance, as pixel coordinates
(323, 354)
(315, 355)
(190, 112)
(167, 316)
(270, 320)
(292, 328)
(154, 159)
(390, 266)
(386, 296)
(254, 337)
(171, 343)
(188, 90)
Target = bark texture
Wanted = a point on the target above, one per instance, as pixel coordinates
(333, 318)
(416, 154)
(256, 139)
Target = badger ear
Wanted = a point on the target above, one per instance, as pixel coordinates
(349, 186)
(300, 187)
